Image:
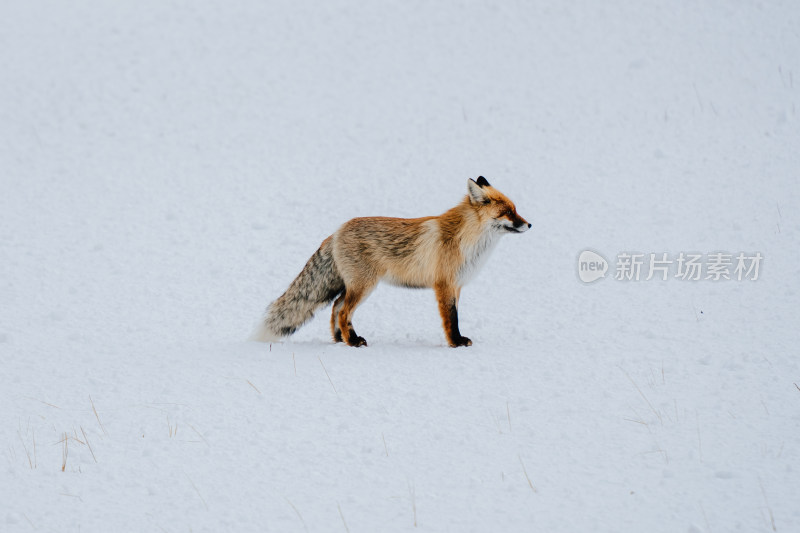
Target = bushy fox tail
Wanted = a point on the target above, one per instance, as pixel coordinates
(317, 285)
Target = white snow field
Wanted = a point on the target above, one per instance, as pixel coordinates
(168, 166)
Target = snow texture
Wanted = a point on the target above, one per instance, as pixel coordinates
(169, 166)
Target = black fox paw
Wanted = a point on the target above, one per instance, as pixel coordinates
(461, 341)
(360, 341)
(356, 341)
(337, 336)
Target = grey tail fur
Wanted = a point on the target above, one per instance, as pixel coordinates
(317, 285)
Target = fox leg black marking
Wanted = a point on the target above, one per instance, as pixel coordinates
(448, 308)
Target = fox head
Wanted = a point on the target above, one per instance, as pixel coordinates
(494, 208)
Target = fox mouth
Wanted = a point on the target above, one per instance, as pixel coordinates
(500, 225)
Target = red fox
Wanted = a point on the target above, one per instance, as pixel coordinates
(442, 253)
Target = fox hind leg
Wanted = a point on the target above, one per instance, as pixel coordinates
(352, 297)
(336, 331)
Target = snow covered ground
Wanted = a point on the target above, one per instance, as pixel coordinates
(168, 167)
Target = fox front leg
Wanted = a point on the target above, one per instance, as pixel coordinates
(447, 296)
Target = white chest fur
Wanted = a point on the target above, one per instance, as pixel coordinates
(475, 256)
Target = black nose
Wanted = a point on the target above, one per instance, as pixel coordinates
(529, 224)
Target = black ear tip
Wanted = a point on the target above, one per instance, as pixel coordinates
(482, 182)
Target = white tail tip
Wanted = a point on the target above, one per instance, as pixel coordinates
(261, 333)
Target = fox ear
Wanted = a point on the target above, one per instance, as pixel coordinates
(476, 194)
(482, 182)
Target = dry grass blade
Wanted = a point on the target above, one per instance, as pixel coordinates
(87, 444)
(298, 514)
(64, 452)
(342, 515)
(173, 430)
(769, 509)
(75, 437)
(196, 490)
(658, 415)
(251, 384)
(30, 462)
(97, 416)
(46, 403)
(524, 471)
(199, 435)
(329, 376)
